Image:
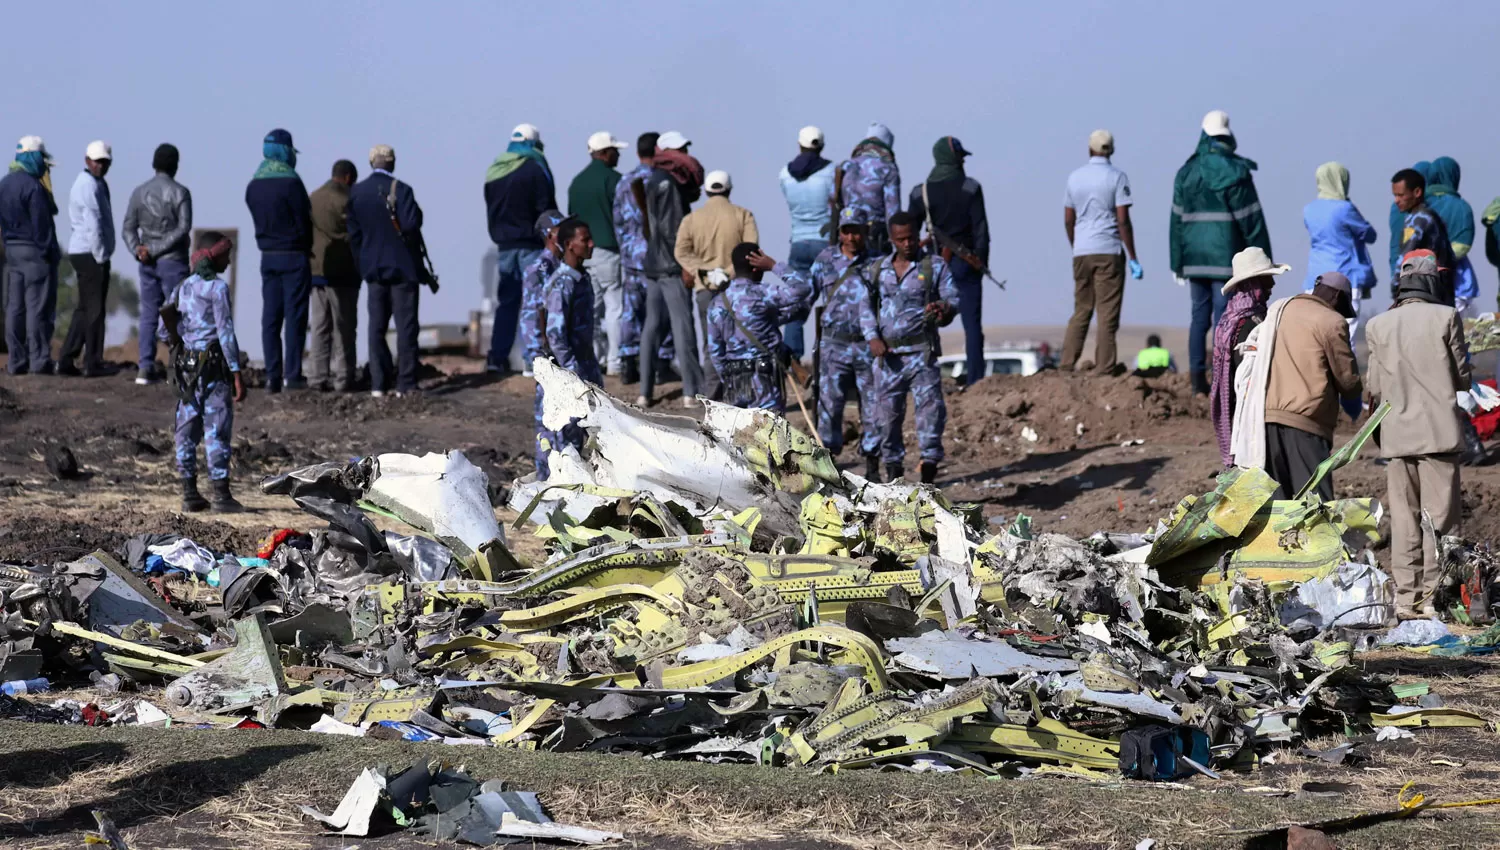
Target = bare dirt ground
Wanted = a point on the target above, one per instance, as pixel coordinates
(1076, 453)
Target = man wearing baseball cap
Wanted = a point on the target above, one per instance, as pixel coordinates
(705, 245)
(282, 211)
(1418, 361)
(807, 185)
(517, 188)
(1215, 215)
(390, 261)
(90, 245)
(1096, 216)
(591, 198)
(1312, 366)
(31, 255)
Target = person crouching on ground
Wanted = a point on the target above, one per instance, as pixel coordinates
(206, 373)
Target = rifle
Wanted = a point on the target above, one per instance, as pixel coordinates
(414, 243)
(817, 362)
(951, 247)
(838, 204)
(638, 192)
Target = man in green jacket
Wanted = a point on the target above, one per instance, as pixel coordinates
(591, 198)
(1215, 215)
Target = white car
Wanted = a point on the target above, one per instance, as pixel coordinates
(1000, 361)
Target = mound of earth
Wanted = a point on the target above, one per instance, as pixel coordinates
(1059, 411)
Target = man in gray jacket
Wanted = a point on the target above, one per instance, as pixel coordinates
(670, 190)
(1418, 362)
(158, 223)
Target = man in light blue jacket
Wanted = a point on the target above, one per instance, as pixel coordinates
(807, 182)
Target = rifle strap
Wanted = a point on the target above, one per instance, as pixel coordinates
(754, 340)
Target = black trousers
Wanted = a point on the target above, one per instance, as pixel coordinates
(385, 301)
(86, 332)
(1292, 456)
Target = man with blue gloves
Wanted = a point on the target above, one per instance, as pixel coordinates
(1096, 216)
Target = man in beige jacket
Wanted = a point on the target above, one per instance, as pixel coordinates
(1418, 361)
(1312, 367)
(704, 245)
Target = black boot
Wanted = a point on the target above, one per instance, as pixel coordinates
(630, 371)
(928, 471)
(223, 502)
(872, 468)
(1200, 383)
(894, 472)
(192, 501)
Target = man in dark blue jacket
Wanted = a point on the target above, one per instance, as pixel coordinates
(385, 231)
(279, 205)
(31, 255)
(518, 188)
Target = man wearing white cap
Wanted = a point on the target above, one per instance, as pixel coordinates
(517, 189)
(807, 185)
(1216, 214)
(869, 181)
(1096, 216)
(591, 198)
(90, 245)
(31, 255)
(705, 250)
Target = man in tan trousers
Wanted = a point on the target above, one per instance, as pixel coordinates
(704, 244)
(1418, 362)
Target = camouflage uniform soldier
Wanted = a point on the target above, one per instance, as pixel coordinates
(916, 295)
(206, 373)
(569, 308)
(744, 328)
(870, 181)
(848, 325)
(630, 233)
(533, 290)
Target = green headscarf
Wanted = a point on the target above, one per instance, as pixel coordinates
(1333, 182)
(947, 163)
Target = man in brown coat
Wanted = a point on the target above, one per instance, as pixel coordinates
(1418, 361)
(1312, 367)
(334, 315)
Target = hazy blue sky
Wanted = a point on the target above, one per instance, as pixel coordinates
(1021, 84)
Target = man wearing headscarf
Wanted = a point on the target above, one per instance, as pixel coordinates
(205, 372)
(518, 188)
(282, 211)
(629, 222)
(1418, 361)
(1458, 220)
(157, 227)
(1248, 297)
(675, 181)
(1216, 213)
(952, 202)
(1338, 234)
(870, 182)
(31, 256)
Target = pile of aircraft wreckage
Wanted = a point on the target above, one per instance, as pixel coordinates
(719, 591)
